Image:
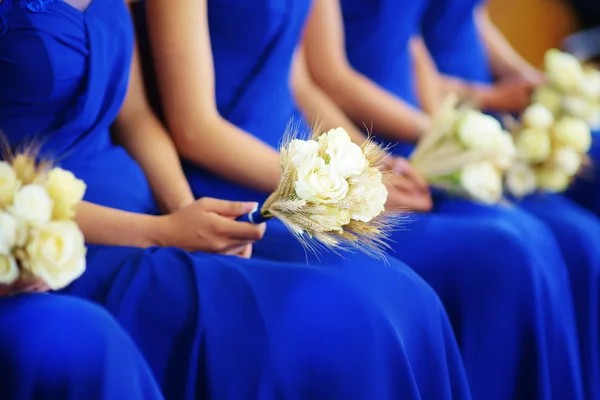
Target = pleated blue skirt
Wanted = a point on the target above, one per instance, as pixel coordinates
(55, 347)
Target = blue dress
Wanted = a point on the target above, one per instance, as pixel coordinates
(498, 270)
(463, 55)
(60, 348)
(511, 306)
(211, 326)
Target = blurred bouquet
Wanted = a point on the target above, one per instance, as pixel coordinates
(572, 89)
(466, 152)
(331, 192)
(38, 237)
(550, 151)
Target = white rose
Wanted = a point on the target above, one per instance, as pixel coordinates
(548, 97)
(564, 71)
(56, 253)
(593, 120)
(32, 205)
(552, 179)
(8, 184)
(591, 87)
(576, 106)
(9, 271)
(320, 183)
(334, 136)
(301, 150)
(482, 182)
(370, 197)
(568, 160)
(66, 191)
(538, 116)
(348, 158)
(533, 145)
(8, 232)
(333, 220)
(573, 132)
(478, 131)
(520, 180)
(505, 151)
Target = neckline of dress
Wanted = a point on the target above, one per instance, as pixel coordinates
(75, 9)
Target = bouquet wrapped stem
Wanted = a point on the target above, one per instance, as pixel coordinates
(465, 152)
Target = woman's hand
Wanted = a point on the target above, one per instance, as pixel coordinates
(510, 95)
(406, 188)
(209, 225)
(24, 285)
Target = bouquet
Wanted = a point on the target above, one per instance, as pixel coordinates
(572, 89)
(465, 152)
(38, 236)
(331, 193)
(550, 151)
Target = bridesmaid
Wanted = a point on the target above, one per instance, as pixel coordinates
(223, 68)
(209, 325)
(55, 347)
(372, 80)
(476, 54)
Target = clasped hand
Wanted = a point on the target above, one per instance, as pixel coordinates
(210, 225)
(406, 188)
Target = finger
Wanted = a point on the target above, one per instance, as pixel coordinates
(240, 251)
(227, 208)
(243, 230)
(403, 167)
(399, 183)
(246, 252)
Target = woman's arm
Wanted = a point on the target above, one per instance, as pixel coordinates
(140, 132)
(181, 46)
(361, 99)
(504, 60)
(314, 103)
(429, 81)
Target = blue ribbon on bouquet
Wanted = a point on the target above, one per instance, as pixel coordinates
(254, 217)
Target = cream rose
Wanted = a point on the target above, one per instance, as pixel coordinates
(591, 87)
(505, 151)
(564, 71)
(348, 158)
(301, 150)
(333, 220)
(320, 183)
(57, 253)
(520, 180)
(8, 232)
(538, 116)
(552, 180)
(334, 136)
(482, 182)
(478, 131)
(548, 97)
(568, 160)
(8, 184)
(573, 132)
(372, 195)
(9, 271)
(32, 205)
(66, 191)
(533, 145)
(576, 106)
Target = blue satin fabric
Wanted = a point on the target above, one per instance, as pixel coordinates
(498, 270)
(209, 326)
(578, 231)
(59, 348)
